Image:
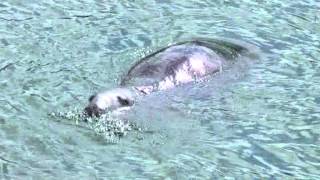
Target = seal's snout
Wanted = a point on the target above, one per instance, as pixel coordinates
(108, 100)
(93, 111)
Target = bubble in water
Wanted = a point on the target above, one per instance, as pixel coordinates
(109, 125)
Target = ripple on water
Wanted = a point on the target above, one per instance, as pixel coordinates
(261, 121)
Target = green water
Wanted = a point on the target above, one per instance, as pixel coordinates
(261, 121)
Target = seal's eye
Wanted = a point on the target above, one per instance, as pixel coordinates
(123, 102)
(91, 97)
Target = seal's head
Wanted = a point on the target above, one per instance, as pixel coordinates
(109, 100)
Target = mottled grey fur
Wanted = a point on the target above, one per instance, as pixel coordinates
(168, 67)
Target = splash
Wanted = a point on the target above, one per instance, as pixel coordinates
(110, 125)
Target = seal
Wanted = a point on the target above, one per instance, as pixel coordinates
(167, 68)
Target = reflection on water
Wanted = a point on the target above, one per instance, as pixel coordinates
(259, 121)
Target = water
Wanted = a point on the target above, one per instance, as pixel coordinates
(256, 122)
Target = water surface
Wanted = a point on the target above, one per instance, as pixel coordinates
(256, 122)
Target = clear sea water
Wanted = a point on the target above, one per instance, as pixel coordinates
(257, 122)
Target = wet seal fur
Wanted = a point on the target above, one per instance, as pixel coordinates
(166, 68)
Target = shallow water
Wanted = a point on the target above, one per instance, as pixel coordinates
(257, 122)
